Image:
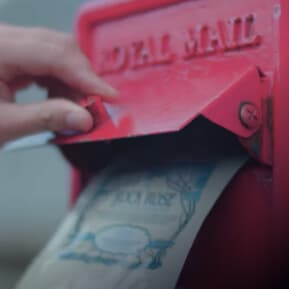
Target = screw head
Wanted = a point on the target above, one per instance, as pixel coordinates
(250, 116)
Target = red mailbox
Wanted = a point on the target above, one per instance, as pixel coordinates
(227, 61)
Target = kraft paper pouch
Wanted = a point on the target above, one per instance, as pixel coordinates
(135, 223)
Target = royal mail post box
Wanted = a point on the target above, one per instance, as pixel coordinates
(179, 63)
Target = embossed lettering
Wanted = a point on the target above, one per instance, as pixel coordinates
(236, 34)
(191, 45)
(113, 61)
(151, 52)
(141, 54)
(250, 34)
(202, 41)
(162, 50)
(199, 41)
(240, 33)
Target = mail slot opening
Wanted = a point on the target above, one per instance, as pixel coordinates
(240, 207)
(200, 137)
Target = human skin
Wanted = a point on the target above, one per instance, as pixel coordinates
(54, 61)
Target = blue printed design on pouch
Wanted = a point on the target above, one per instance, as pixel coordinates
(131, 239)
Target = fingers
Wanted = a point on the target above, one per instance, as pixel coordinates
(44, 52)
(53, 115)
(29, 54)
(56, 87)
(77, 72)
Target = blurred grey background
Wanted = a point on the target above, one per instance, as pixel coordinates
(34, 183)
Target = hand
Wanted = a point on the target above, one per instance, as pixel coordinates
(54, 61)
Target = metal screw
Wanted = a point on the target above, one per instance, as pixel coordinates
(250, 116)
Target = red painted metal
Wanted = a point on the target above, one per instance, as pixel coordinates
(173, 61)
(195, 63)
(280, 133)
(234, 248)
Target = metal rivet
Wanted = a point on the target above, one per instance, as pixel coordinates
(250, 116)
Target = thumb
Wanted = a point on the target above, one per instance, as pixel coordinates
(54, 115)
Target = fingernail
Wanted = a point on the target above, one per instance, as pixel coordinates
(69, 132)
(103, 88)
(79, 121)
(113, 91)
(109, 90)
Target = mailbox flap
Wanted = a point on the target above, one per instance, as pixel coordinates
(173, 61)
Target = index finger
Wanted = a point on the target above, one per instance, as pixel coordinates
(49, 53)
(75, 70)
